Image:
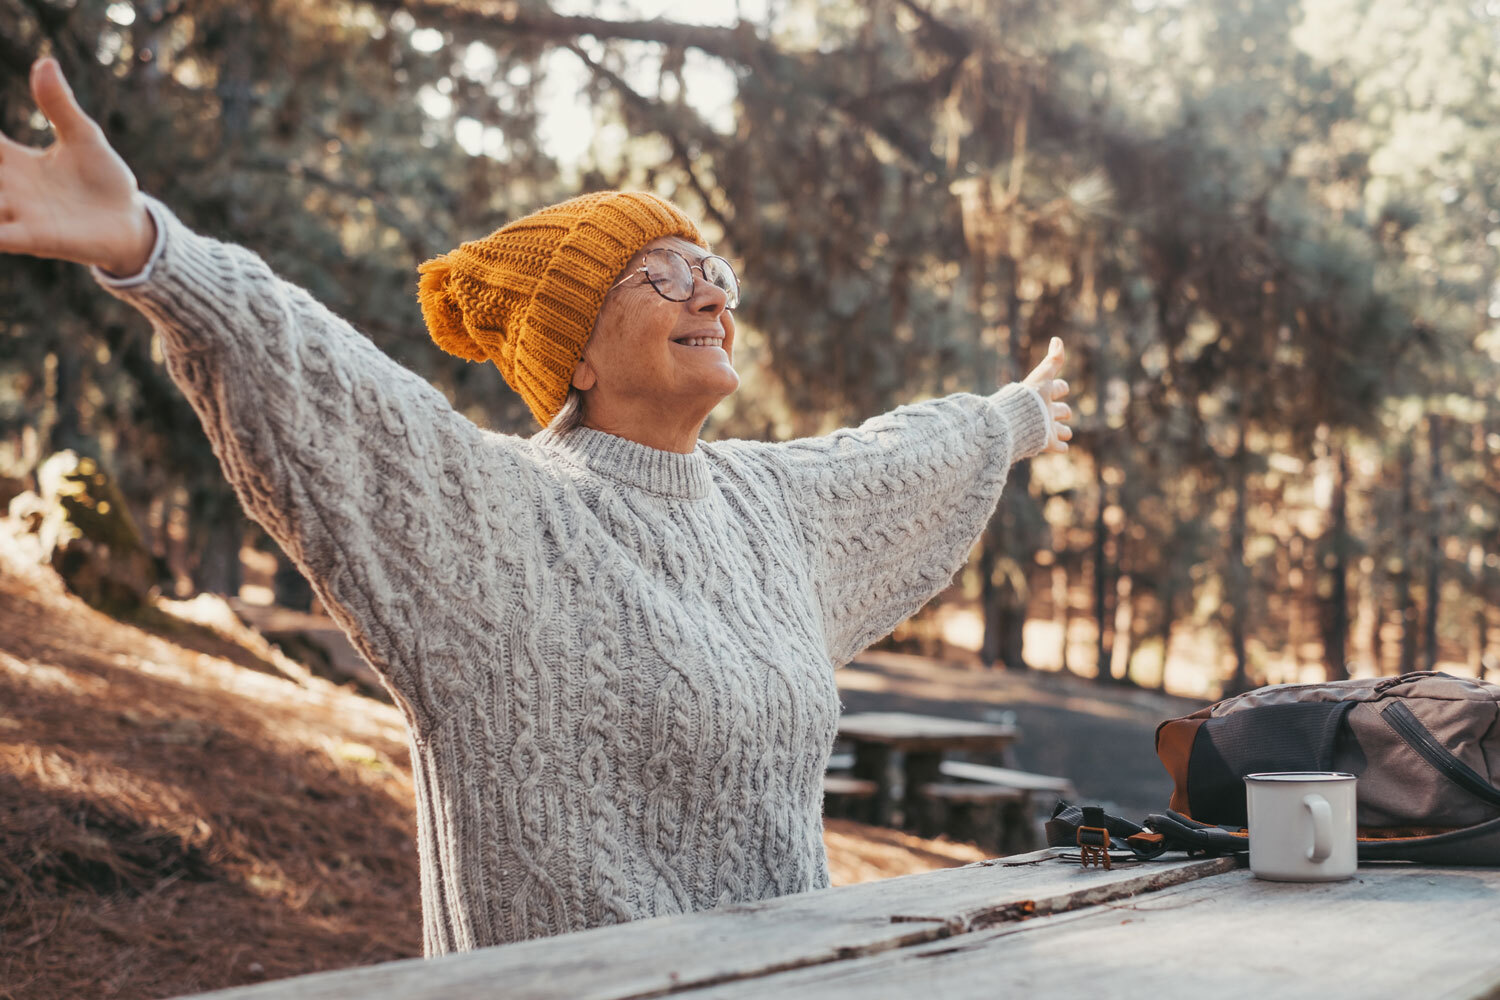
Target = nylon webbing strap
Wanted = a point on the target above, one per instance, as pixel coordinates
(1162, 832)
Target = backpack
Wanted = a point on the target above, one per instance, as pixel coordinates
(1425, 746)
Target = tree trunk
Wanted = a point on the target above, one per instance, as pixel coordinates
(989, 646)
(1482, 640)
(1435, 493)
(1336, 637)
(1405, 608)
(1103, 652)
(289, 586)
(1124, 650)
(220, 529)
(1003, 600)
(1377, 622)
(1062, 607)
(235, 96)
(67, 391)
(1238, 576)
(1010, 620)
(1012, 594)
(1164, 631)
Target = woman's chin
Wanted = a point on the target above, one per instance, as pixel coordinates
(731, 377)
(723, 381)
(711, 365)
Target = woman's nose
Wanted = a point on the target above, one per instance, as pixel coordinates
(708, 298)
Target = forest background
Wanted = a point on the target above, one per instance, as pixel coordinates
(1268, 230)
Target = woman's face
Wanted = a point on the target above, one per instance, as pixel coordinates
(662, 355)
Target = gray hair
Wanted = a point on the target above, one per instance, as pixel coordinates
(570, 417)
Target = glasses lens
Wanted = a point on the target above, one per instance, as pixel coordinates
(719, 273)
(669, 273)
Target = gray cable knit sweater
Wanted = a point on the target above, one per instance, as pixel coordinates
(616, 663)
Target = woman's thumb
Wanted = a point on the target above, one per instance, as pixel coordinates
(55, 99)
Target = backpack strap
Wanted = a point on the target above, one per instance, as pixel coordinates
(1182, 833)
(1062, 828)
(1162, 832)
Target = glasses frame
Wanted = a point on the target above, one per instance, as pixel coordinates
(730, 303)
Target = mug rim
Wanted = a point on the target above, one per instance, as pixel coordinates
(1293, 777)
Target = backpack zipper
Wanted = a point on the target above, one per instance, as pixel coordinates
(1407, 726)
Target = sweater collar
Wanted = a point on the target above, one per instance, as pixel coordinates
(667, 473)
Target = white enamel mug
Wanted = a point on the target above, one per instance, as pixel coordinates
(1301, 825)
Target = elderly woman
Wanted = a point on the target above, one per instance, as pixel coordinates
(613, 644)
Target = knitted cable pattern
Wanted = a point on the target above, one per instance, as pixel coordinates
(615, 663)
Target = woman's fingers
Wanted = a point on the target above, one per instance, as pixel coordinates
(1057, 355)
(1051, 365)
(55, 100)
(1045, 374)
(1061, 432)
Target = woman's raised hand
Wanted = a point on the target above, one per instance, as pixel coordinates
(1044, 379)
(75, 200)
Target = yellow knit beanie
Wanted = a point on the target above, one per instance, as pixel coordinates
(526, 296)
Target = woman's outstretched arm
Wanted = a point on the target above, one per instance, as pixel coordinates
(360, 470)
(891, 509)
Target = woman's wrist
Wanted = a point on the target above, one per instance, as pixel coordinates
(138, 239)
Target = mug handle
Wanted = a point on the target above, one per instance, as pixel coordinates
(1322, 816)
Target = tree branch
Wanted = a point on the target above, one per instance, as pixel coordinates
(662, 122)
(952, 40)
(739, 45)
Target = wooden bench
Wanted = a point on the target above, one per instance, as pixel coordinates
(990, 806)
(995, 806)
(843, 795)
(964, 771)
(1023, 781)
(991, 816)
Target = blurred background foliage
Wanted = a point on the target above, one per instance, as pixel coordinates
(1269, 231)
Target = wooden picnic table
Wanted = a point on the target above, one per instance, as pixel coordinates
(1030, 925)
(923, 741)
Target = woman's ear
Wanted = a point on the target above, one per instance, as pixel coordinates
(584, 376)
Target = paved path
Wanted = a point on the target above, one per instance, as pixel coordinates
(1103, 738)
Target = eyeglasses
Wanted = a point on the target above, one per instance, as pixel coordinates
(671, 274)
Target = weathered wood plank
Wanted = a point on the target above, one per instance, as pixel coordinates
(842, 784)
(1023, 780)
(934, 734)
(953, 791)
(669, 954)
(1393, 931)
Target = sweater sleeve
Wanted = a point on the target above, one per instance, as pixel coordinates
(359, 469)
(891, 509)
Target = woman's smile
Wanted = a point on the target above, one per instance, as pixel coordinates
(711, 339)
